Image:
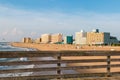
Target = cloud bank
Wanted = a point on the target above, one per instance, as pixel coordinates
(18, 23)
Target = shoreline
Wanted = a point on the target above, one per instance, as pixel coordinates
(64, 47)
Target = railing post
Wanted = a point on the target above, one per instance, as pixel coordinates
(108, 65)
(59, 65)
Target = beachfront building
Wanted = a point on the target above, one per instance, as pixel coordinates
(38, 40)
(45, 38)
(27, 40)
(113, 40)
(80, 37)
(56, 38)
(97, 38)
(68, 40)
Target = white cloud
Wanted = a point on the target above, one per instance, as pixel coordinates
(16, 32)
(4, 33)
(34, 23)
(13, 32)
(12, 35)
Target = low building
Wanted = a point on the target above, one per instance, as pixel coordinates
(113, 40)
(38, 40)
(55, 38)
(45, 38)
(27, 40)
(68, 40)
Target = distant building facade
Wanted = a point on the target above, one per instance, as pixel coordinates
(27, 40)
(55, 38)
(95, 37)
(113, 40)
(68, 40)
(38, 40)
(45, 38)
(80, 37)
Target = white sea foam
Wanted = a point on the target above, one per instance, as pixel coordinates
(6, 47)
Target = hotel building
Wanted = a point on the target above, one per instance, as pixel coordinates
(38, 40)
(45, 38)
(95, 37)
(27, 40)
(80, 37)
(68, 40)
(56, 38)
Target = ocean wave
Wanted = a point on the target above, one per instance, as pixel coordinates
(16, 74)
(16, 67)
(4, 46)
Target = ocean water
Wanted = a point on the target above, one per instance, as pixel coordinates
(5, 46)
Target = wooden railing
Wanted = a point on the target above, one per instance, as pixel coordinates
(65, 64)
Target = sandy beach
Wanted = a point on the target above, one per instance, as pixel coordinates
(58, 47)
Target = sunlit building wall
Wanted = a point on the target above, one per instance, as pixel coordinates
(45, 38)
(80, 37)
(96, 37)
(38, 40)
(27, 40)
(56, 38)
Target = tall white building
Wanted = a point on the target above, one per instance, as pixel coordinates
(80, 37)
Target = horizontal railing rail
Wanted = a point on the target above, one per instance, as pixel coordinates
(58, 64)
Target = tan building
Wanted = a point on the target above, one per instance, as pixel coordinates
(56, 38)
(96, 37)
(38, 40)
(45, 38)
(80, 37)
(27, 40)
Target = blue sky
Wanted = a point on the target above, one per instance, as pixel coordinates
(102, 6)
(31, 18)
